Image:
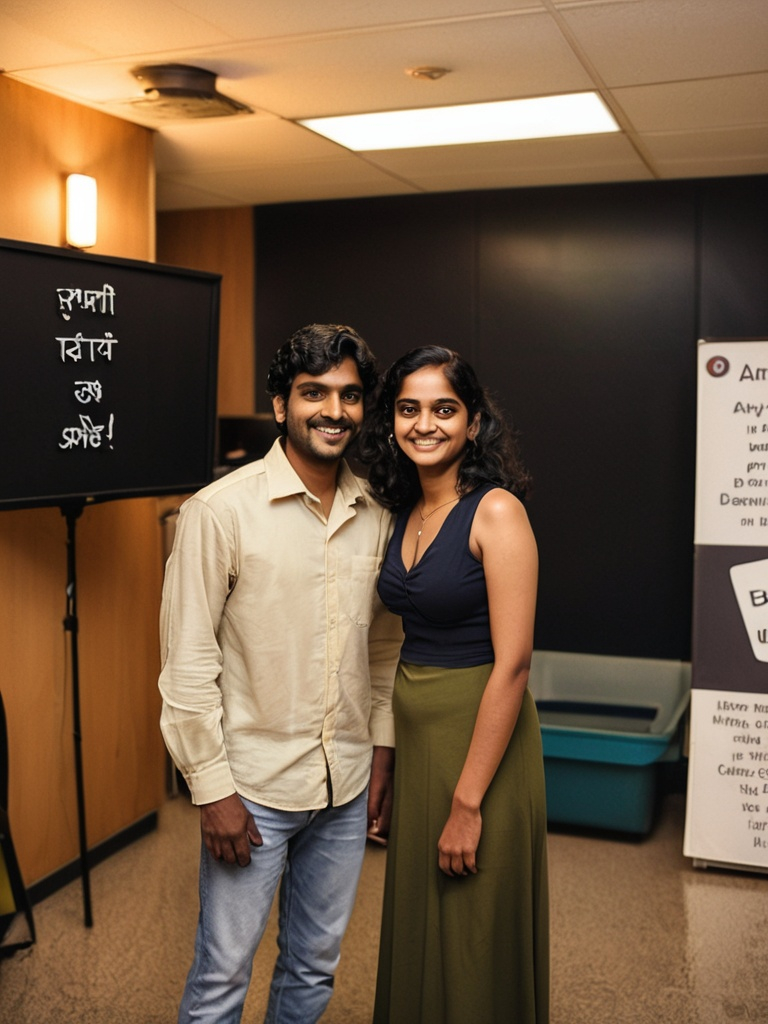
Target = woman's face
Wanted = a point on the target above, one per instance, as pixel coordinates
(431, 422)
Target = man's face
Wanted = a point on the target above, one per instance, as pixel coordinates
(323, 412)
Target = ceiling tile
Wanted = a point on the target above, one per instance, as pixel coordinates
(671, 40)
(509, 164)
(303, 17)
(259, 141)
(706, 153)
(328, 179)
(47, 31)
(711, 103)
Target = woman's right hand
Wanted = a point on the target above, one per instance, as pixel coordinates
(457, 846)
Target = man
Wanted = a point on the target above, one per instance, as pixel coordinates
(278, 662)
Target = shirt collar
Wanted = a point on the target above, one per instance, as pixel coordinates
(283, 480)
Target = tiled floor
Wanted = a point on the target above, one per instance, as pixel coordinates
(639, 936)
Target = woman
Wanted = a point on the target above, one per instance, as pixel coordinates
(465, 931)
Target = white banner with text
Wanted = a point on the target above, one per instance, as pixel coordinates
(727, 808)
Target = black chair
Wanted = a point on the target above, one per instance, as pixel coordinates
(17, 925)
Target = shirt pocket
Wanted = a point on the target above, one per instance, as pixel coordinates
(357, 587)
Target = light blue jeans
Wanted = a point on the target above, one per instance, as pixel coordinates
(318, 855)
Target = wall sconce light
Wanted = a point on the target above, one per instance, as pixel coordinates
(81, 211)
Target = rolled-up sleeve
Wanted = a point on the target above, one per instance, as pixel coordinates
(198, 578)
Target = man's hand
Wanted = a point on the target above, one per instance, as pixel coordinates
(380, 793)
(229, 830)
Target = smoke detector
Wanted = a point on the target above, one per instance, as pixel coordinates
(428, 73)
(173, 91)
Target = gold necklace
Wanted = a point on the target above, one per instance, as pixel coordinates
(423, 521)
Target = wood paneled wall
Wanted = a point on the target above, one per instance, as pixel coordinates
(221, 241)
(119, 544)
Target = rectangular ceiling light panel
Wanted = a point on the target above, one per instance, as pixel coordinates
(543, 117)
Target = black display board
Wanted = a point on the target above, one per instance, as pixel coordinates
(107, 376)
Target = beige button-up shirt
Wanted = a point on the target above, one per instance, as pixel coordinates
(278, 657)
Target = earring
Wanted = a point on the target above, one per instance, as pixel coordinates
(391, 443)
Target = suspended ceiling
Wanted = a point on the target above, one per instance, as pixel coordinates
(687, 81)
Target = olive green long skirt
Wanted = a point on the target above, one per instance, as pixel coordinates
(475, 949)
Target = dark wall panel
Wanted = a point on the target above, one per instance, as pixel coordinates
(587, 321)
(400, 271)
(734, 263)
(581, 308)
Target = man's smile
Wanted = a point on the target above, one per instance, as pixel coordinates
(336, 431)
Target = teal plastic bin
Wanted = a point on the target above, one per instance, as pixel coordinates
(606, 723)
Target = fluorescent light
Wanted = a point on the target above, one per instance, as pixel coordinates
(81, 211)
(543, 117)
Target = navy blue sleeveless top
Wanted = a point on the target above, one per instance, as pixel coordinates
(443, 600)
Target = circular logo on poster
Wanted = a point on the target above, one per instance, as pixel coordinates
(718, 366)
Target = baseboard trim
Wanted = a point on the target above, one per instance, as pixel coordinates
(38, 891)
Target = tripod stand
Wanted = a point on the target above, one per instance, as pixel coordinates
(72, 512)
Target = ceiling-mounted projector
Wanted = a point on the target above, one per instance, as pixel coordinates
(180, 91)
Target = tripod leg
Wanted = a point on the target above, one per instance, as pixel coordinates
(71, 626)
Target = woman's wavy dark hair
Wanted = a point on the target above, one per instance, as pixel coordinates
(492, 456)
